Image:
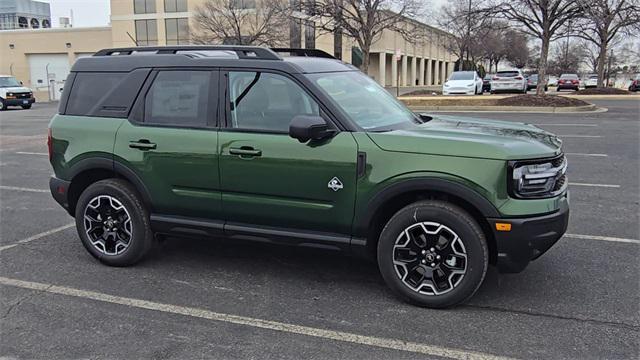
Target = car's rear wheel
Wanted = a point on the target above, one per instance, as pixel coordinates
(112, 223)
(433, 253)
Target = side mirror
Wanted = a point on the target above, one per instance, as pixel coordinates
(21, 83)
(305, 128)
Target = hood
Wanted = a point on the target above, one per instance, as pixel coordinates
(459, 83)
(18, 89)
(472, 137)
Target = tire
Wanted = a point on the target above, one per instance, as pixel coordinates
(26, 107)
(2, 106)
(132, 239)
(447, 221)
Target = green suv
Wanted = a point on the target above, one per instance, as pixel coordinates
(295, 147)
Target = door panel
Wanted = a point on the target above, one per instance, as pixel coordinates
(287, 185)
(171, 143)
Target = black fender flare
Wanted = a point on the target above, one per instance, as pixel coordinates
(444, 186)
(118, 169)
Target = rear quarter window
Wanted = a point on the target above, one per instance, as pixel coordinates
(89, 89)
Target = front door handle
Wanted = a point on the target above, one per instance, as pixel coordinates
(245, 151)
(142, 144)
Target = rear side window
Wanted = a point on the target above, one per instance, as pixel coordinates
(89, 89)
(179, 98)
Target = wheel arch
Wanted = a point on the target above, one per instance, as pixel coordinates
(394, 197)
(88, 171)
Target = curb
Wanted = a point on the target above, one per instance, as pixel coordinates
(519, 109)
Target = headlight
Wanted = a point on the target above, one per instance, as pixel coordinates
(446, 84)
(536, 179)
(470, 85)
(9, 94)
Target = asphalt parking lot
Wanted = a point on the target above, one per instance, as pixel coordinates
(220, 299)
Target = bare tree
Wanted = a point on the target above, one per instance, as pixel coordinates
(562, 61)
(604, 21)
(467, 22)
(365, 20)
(494, 46)
(516, 50)
(241, 22)
(542, 19)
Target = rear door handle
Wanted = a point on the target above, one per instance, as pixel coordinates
(245, 151)
(142, 144)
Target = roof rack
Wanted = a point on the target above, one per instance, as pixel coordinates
(304, 52)
(243, 52)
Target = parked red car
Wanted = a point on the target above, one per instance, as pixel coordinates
(569, 81)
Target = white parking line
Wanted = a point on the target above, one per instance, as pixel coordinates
(602, 238)
(580, 136)
(31, 153)
(584, 154)
(17, 188)
(36, 237)
(594, 185)
(394, 344)
(582, 125)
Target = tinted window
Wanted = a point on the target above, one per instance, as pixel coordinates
(175, 5)
(179, 98)
(464, 75)
(144, 6)
(146, 32)
(177, 31)
(89, 89)
(264, 101)
(507, 73)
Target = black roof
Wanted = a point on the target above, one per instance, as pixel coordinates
(127, 59)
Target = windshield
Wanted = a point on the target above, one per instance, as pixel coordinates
(568, 76)
(366, 103)
(462, 75)
(9, 82)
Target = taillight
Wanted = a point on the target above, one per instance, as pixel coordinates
(50, 144)
(518, 77)
(575, 82)
(560, 81)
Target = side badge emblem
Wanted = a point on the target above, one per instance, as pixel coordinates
(335, 184)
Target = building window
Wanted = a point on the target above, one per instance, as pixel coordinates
(175, 6)
(177, 31)
(146, 32)
(144, 6)
(337, 44)
(309, 35)
(242, 4)
(295, 38)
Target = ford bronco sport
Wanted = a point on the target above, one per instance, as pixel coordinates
(248, 143)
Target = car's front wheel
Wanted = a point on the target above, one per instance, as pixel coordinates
(2, 105)
(433, 253)
(113, 223)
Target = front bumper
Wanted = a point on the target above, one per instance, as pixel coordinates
(458, 91)
(529, 237)
(19, 102)
(59, 190)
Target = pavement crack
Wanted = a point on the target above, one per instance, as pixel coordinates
(558, 317)
(22, 299)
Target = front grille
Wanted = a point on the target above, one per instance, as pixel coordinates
(22, 95)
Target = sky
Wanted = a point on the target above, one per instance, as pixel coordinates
(97, 13)
(85, 12)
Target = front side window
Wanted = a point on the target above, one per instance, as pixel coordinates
(177, 31)
(366, 103)
(265, 101)
(175, 5)
(146, 32)
(144, 6)
(178, 98)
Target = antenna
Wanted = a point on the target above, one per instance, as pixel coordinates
(132, 39)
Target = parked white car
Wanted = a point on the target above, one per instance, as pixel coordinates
(464, 83)
(509, 81)
(12, 93)
(553, 81)
(591, 81)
